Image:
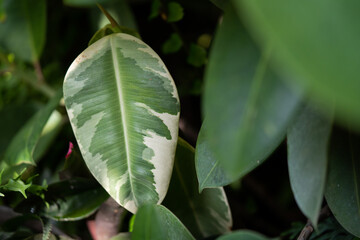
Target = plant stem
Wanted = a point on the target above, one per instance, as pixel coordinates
(108, 16)
(309, 228)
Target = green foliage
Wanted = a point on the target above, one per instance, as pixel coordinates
(308, 141)
(157, 222)
(270, 75)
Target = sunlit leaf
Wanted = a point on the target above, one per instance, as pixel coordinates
(204, 214)
(156, 222)
(23, 30)
(308, 146)
(342, 190)
(317, 41)
(247, 106)
(124, 110)
(16, 186)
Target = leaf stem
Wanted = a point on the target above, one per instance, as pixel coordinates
(309, 228)
(108, 16)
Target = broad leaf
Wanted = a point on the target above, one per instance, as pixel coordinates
(342, 190)
(210, 172)
(308, 142)
(246, 105)
(124, 110)
(243, 234)
(122, 236)
(155, 222)
(74, 199)
(23, 30)
(204, 214)
(318, 42)
(21, 149)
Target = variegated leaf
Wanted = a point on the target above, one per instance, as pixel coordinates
(124, 110)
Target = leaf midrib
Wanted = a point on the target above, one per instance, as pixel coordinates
(123, 113)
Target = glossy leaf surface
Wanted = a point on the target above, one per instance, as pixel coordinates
(23, 30)
(124, 110)
(155, 222)
(247, 106)
(204, 214)
(210, 172)
(75, 199)
(243, 234)
(308, 140)
(318, 42)
(342, 190)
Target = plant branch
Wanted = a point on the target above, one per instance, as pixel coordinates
(108, 16)
(309, 228)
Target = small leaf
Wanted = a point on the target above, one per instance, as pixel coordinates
(204, 40)
(197, 55)
(157, 222)
(209, 172)
(248, 108)
(175, 12)
(342, 190)
(124, 110)
(155, 9)
(74, 199)
(243, 234)
(204, 214)
(172, 44)
(16, 186)
(317, 42)
(308, 142)
(24, 28)
(108, 29)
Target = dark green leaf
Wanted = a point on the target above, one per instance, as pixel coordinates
(220, 3)
(209, 172)
(74, 199)
(243, 234)
(172, 44)
(308, 142)
(175, 12)
(342, 190)
(22, 146)
(247, 107)
(84, 3)
(197, 55)
(155, 9)
(204, 214)
(318, 42)
(155, 222)
(24, 28)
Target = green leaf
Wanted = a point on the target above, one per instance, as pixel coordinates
(210, 172)
(172, 44)
(124, 110)
(84, 3)
(243, 234)
(247, 107)
(204, 214)
(122, 236)
(74, 199)
(108, 29)
(307, 143)
(155, 9)
(175, 12)
(342, 190)
(197, 55)
(16, 186)
(318, 42)
(22, 146)
(24, 28)
(155, 222)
